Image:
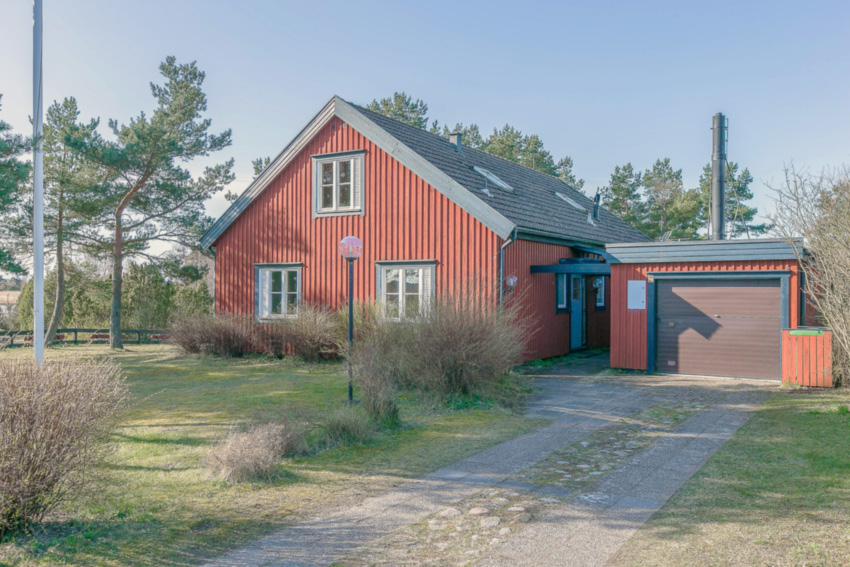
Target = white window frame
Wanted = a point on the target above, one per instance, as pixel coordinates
(426, 286)
(263, 293)
(355, 159)
(599, 303)
(562, 298)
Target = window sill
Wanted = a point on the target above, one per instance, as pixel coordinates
(340, 213)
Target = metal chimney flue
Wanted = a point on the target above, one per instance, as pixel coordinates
(718, 178)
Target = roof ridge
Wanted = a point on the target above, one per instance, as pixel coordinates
(480, 151)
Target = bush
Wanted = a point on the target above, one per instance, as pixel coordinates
(367, 321)
(345, 425)
(311, 333)
(379, 365)
(255, 453)
(224, 335)
(55, 421)
(465, 345)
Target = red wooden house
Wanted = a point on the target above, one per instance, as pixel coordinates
(432, 215)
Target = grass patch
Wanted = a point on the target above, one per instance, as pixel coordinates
(778, 493)
(563, 359)
(158, 506)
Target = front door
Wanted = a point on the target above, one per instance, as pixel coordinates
(577, 312)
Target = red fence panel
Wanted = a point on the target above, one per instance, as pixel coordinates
(807, 357)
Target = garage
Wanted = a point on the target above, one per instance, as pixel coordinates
(719, 327)
(715, 308)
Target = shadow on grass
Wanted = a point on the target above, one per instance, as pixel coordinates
(156, 440)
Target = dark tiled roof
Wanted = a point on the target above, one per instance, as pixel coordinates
(532, 205)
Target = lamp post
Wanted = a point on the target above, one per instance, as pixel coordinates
(351, 248)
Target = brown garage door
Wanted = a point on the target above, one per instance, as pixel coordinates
(720, 328)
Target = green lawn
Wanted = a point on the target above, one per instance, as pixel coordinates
(155, 505)
(778, 493)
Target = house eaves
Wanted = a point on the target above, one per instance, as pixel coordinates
(418, 165)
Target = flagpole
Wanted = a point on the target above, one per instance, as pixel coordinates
(38, 186)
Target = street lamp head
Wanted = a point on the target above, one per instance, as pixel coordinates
(350, 247)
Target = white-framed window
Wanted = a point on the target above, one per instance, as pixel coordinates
(405, 289)
(599, 286)
(278, 290)
(338, 184)
(561, 299)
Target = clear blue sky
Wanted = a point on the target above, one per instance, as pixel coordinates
(605, 82)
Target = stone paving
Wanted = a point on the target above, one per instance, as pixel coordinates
(582, 529)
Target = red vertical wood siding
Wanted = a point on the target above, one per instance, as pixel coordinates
(405, 219)
(629, 326)
(807, 359)
(551, 335)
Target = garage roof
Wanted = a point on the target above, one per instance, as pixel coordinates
(706, 250)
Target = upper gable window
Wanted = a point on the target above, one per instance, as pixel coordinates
(338, 184)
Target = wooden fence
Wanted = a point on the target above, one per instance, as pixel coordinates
(807, 357)
(82, 336)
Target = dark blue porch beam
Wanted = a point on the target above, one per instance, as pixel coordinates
(588, 269)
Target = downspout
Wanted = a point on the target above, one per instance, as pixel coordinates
(507, 243)
(215, 281)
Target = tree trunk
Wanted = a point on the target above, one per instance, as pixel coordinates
(59, 303)
(115, 338)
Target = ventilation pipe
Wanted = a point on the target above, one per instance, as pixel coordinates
(718, 178)
(454, 138)
(596, 200)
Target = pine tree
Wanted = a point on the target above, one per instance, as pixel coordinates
(622, 195)
(403, 108)
(66, 175)
(144, 194)
(260, 164)
(564, 171)
(13, 175)
(669, 206)
(739, 215)
(470, 135)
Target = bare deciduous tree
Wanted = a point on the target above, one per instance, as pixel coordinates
(816, 209)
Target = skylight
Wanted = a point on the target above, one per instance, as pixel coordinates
(570, 201)
(492, 178)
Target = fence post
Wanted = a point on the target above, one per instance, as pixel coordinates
(75, 336)
(138, 337)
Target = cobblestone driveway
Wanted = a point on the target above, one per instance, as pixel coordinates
(570, 493)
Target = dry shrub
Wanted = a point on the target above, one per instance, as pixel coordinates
(464, 347)
(466, 344)
(222, 334)
(816, 208)
(367, 321)
(380, 363)
(55, 421)
(311, 333)
(346, 425)
(254, 454)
